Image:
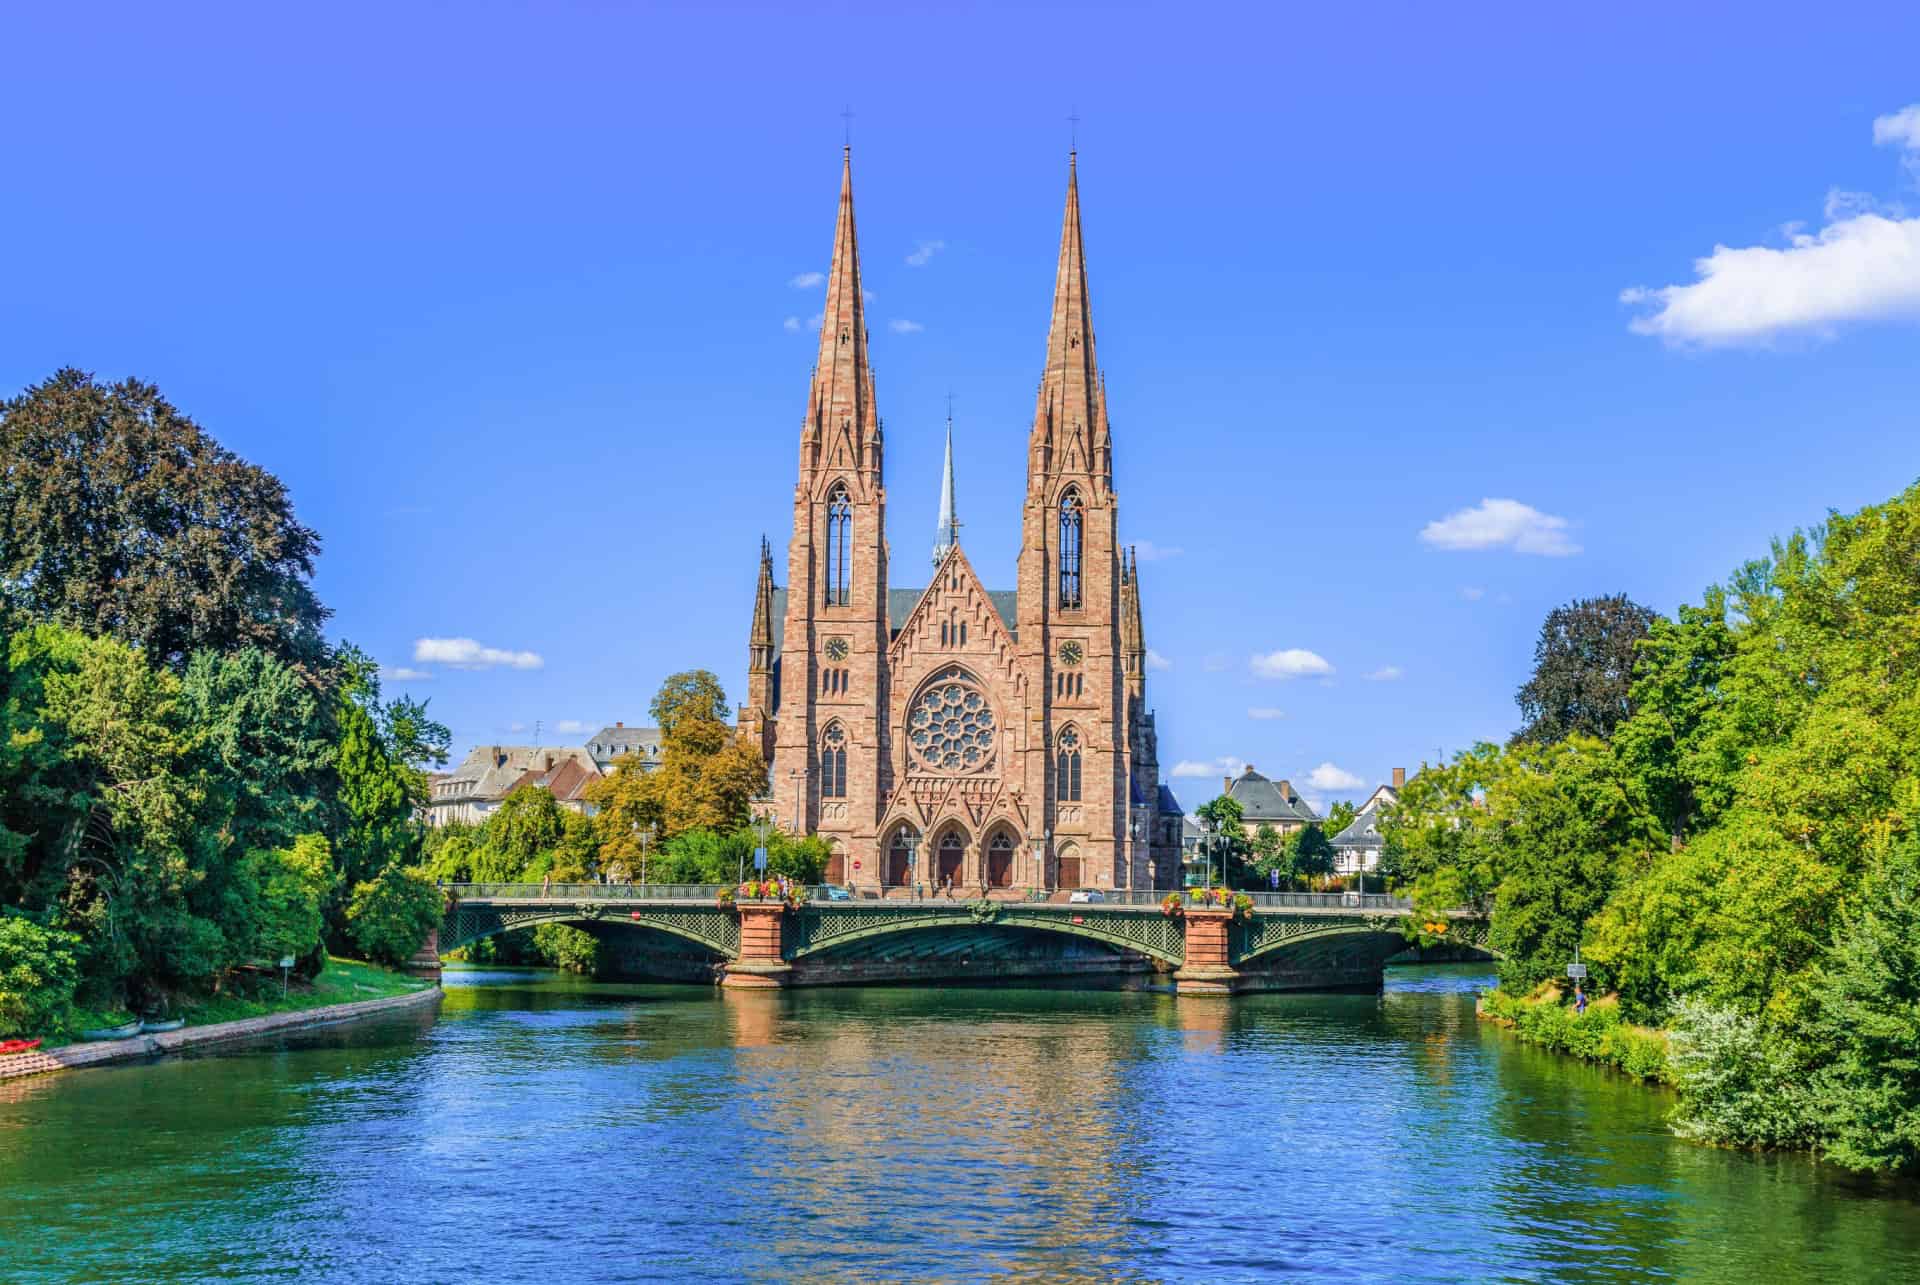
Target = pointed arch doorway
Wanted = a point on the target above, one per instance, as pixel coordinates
(1000, 860)
(950, 860)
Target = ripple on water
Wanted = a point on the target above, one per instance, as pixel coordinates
(544, 1129)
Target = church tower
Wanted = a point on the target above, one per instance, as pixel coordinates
(1071, 604)
(827, 762)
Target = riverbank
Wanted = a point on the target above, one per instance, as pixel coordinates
(73, 1057)
(1600, 1034)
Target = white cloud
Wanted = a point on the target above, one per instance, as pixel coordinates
(1226, 765)
(901, 326)
(1902, 130)
(1329, 777)
(1156, 661)
(1384, 674)
(923, 252)
(807, 280)
(1148, 551)
(1290, 662)
(1494, 524)
(1265, 713)
(791, 325)
(403, 674)
(1472, 593)
(573, 727)
(1864, 265)
(465, 653)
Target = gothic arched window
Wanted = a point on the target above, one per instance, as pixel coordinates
(833, 762)
(1070, 530)
(1066, 780)
(839, 545)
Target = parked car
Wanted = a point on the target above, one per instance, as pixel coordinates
(836, 893)
(1088, 894)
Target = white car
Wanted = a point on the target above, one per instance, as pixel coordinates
(1087, 894)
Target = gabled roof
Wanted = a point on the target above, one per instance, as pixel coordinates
(900, 605)
(492, 771)
(611, 742)
(1362, 832)
(1261, 799)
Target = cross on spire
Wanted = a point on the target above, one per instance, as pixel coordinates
(846, 126)
(1073, 122)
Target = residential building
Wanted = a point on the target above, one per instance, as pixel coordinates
(616, 742)
(489, 773)
(1358, 847)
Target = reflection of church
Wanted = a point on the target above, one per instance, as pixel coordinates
(997, 737)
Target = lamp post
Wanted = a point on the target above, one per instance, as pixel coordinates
(762, 823)
(1046, 866)
(912, 838)
(646, 842)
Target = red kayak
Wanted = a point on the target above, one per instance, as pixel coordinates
(18, 1046)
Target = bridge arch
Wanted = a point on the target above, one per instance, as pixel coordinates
(708, 927)
(1153, 935)
(1266, 941)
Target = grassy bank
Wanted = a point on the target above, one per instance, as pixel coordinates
(1598, 1035)
(342, 981)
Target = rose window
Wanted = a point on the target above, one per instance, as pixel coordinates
(951, 726)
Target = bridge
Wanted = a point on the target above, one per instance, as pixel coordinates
(1286, 941)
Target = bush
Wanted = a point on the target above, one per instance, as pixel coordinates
(290, 887)
(1741, 1083)
(389, 917)
(1601, 1034)
(39, 969)
(567, 947)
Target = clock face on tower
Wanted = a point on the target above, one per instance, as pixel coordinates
(1070, 652)
(836, 649)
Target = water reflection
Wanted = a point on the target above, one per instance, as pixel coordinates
(544, 1128)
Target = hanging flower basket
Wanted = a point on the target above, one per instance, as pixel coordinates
(1172, 904)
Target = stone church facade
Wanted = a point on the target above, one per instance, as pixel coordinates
(999, 739)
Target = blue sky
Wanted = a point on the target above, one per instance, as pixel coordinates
(501, 291)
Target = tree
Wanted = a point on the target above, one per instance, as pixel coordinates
(1668, 741)
(290, 887)
(119, 516)
(1339, 817)
(390, 916)
(706, 779)
(1227, 843)
(380, 783)
(1269, 851)
(1868, 993)
(263, 743)
(1583, 669)
(1310, 853)
(39, 969)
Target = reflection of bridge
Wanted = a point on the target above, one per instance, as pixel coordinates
(1289, 941)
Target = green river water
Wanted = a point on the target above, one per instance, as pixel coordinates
(541, 1129)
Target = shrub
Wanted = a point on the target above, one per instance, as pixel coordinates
(1741, 1083)
(389, 917)
(567, 947)
(1601, 1034)
(38, 972)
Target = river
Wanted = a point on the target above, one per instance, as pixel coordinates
(543, 1129)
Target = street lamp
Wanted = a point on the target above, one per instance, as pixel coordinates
(763, 819)
(1046, 867)
(912, 838)
(646, 842)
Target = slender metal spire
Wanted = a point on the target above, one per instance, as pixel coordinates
(947, 534)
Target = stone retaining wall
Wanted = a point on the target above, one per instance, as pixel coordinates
(73, 1057)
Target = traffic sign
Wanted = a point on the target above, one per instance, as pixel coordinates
(760, 859)
(1576, 971)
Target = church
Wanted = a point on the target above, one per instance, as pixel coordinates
(956, 735)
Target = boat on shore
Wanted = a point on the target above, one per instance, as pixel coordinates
(99, 1033)
(18, 1046)
(171, 1024)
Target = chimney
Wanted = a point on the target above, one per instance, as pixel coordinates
(1226, 785)
(1399, 778)
(618, 723)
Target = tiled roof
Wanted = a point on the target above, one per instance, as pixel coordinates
(609, 743)
(1261, 799)
(491, 771)
(569, 780)
(900, 605)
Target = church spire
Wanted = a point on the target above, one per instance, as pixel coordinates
(1070, 417)
(843, 429)
(760, 637)
(947, 533)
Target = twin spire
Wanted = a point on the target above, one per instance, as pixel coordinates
(1070, 432)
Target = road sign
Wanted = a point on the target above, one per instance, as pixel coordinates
(856, 865)
(1576, 971)
(286, 961)
(760, 859)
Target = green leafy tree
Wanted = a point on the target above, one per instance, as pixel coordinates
(1582, 678)
(290, 889)
(1227, 844)
(1310, 853)
(262, 745)
(389, 916)
(1868, 995)
(120, 517)
(706, 777)
(39, 969)
(1268, 849)
(1339, 817)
